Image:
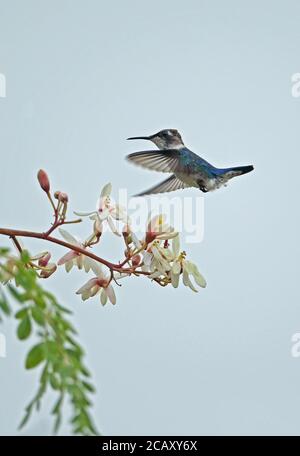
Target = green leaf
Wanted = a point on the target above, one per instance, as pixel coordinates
(24, 328)
(57, 406)
(4, 306)
(89, 387)
(25, 257)
(36, 356)
(54, 382)
(38, 316)
(20, 297)
(21, 313)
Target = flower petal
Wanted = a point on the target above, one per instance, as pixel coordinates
(85, 214)
(111, 294)
(86, 294)
(69, 256)
(176, 246)
(174, 279)
(103, 297)
(147, 258)
(88, 285)
(112, 226)
(69, 265)
(157, 255)
(118, 213)
(198, 277)
(103, 214)
(106, 190)
(176, 267)
(96, 268)
(135, 240)
(187, 282)
(69, 237)
(79, 261)
(38, 256)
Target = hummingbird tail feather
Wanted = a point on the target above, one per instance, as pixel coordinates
(169, 185)
(229, 173)
(243, 169)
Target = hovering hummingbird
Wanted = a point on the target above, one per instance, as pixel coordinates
(187, 168)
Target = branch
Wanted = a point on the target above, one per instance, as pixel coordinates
(45, 237)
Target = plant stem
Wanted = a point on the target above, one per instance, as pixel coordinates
(46, 237)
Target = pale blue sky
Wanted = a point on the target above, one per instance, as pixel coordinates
(81, 77)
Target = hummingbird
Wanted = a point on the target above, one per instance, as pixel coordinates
(187, 169)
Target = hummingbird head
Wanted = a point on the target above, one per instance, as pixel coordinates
(164, 139)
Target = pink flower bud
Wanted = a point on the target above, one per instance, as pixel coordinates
(43, 180)
(136, 260)
(44, 260)
(63, 197)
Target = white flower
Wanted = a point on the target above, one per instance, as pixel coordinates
(157, 228)
(73, 258)
(187, 268)
(106, 211)
(159, 260)
(100, 284)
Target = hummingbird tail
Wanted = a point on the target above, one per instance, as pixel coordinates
(243, 169)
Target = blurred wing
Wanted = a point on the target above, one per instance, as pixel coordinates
(165, 161)
(169, 185)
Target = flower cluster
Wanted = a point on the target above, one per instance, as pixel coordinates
(156, 256)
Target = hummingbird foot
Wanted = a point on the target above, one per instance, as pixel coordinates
(202, 186)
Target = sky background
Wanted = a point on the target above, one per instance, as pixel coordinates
(83, 76)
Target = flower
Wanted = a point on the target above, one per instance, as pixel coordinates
(106, 211)
(73, 258)
(157, 228)
(187, 268)
(100, 284)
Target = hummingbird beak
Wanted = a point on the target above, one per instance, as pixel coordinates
(140, 137)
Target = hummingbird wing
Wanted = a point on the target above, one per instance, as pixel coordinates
(165, 161)
(169, 185)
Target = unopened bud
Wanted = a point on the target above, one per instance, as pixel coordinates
(136, 260)
(45, 273)
(43, 180)
(63, 197)
(44, 260)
